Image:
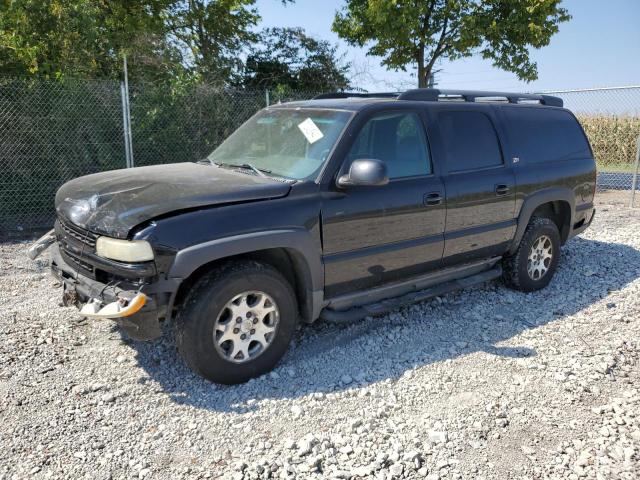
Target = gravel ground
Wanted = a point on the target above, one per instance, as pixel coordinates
(485, 384)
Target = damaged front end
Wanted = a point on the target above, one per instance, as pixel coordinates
(107, 267)
(128, 292)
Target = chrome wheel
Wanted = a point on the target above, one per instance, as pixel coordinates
(540, 257)
(246, 326)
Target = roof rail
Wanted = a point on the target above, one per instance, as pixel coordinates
(435, 94)
(324, 96)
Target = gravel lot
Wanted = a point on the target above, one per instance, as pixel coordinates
(484, 383)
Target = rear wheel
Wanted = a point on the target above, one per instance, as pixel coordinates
(535, 261)
(237, 322)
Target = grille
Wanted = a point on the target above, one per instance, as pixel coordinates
(78, 262)
(74, 241)
(79, 234)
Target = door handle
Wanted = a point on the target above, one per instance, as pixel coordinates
(501, 189)
(433, 198)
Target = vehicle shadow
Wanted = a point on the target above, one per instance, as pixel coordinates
(330, 358)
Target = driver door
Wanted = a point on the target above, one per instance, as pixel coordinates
(374, 235)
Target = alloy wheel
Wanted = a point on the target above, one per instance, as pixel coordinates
(540, 257)
(246, 326)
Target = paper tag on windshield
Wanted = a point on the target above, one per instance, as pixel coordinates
(310, 130)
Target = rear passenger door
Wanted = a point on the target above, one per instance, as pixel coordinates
(479, 184)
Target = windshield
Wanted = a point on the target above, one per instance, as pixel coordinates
(291, 143)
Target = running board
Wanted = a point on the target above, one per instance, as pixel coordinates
(387, 305)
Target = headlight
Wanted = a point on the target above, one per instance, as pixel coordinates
(124, 250)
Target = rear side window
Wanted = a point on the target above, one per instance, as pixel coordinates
(545, 135)
(470, 141)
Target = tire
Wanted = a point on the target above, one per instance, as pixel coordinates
(215, 303)
(517, 268)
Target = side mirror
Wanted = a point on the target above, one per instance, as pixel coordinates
(365, 172)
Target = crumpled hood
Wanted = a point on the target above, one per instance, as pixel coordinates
(114, 202)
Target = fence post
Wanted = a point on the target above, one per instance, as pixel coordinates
(266, 97)
(126, 115)
(125, 132)
(634, 183)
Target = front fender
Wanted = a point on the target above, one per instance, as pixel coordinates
(307, 256)
(189, 259)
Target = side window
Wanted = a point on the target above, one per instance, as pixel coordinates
(545, 134)
(398, 139)
(469, 139)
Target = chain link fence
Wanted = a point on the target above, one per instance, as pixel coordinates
(184, 126)
(611, 120)
(53, 131)
(49, 133)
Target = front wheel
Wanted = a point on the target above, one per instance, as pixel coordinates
(236, 322)
(536, 259)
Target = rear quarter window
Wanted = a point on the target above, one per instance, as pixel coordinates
(548, 134)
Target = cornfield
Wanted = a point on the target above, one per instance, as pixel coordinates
(613, 139)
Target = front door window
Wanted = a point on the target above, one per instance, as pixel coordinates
(396, 138)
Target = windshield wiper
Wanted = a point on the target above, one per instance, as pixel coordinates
(247, 166)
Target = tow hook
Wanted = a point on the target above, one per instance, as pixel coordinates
(122, 307)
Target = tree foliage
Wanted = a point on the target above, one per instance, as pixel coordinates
(287, 58)
(213, 33)
(58, 38)
(420, 32)
(163, 39)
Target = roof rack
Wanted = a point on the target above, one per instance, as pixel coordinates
(436, 94)
(324, 96)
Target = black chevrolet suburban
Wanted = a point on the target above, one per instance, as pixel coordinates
(336, 208)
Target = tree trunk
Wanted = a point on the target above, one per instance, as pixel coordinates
(424, 73)
(422, 78)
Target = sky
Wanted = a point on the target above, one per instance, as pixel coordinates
(598, 47)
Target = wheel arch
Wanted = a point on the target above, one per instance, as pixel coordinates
(293, 253)
(558, 204)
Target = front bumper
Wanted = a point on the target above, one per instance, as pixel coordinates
(80, 290)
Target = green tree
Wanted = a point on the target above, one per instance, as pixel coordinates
(213, 33)
(58, 38)
(287, 58)
(420, 32)
(163, 39)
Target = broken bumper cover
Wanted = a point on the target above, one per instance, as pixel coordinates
(121, 308)
(41, 244)
(138, 311)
